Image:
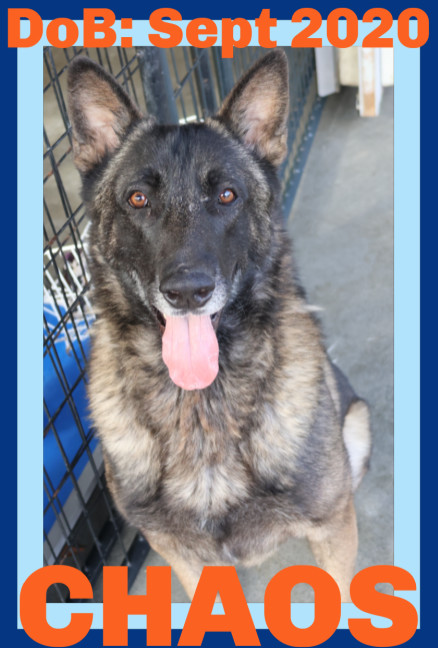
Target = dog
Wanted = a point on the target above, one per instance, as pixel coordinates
(225, 427)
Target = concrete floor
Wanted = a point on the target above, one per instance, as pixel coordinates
(342, 226)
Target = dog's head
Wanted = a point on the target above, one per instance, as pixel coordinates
(181, 214)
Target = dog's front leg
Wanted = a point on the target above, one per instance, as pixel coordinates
(335, 548)
(188, 572)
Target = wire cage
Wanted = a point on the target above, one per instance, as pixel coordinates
(179, 85)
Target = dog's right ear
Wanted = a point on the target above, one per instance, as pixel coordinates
(100, 112)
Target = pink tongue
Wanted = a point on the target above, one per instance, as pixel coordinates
(191, 351)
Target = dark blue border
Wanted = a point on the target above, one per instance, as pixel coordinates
(429, 356)
(224, 9)
(8, 265)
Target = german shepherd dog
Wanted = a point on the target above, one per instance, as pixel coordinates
(225, 427)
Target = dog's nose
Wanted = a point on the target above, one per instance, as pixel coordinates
(188, 290)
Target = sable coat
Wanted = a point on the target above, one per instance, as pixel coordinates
(186, 223)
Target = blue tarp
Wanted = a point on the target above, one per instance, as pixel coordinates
(63, 365)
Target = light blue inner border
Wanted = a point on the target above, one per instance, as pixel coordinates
(406, 324)
(29, 311)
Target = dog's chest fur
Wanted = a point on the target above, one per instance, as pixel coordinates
(207, 459)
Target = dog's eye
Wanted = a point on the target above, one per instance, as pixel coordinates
(138, 200)
(227, 197)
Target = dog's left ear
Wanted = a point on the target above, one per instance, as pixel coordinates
(257, 108)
